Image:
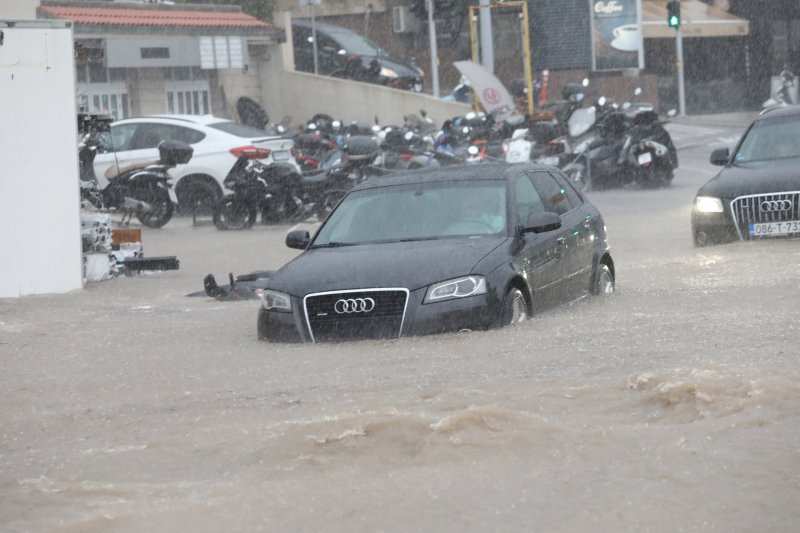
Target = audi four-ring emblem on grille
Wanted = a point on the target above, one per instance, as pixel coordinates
(775, 206)
(354, 305)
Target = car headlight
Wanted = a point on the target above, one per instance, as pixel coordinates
(708, 204)
(276, 301)
(388, 73)
(456, 288)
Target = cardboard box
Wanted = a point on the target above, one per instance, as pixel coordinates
(121, 235)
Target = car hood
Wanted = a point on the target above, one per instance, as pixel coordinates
(403, 264)
(759, 177)
(403, 70)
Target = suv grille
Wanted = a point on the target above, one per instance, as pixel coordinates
(748, 210)
(355, 314)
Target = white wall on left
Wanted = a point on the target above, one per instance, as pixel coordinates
(40, 239)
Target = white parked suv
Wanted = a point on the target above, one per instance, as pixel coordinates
(217, 143)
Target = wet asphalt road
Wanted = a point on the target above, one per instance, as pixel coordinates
(672, 405)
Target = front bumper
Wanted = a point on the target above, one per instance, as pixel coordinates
(470, 313)
(713, 228)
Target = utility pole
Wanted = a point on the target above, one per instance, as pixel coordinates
(434, 51)
(674, 21)
(487, 44)
(681, 86)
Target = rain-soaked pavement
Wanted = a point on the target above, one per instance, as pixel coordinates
(672, 405)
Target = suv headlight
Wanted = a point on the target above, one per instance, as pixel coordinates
(276, 301)
(456, 288)
(708, 204)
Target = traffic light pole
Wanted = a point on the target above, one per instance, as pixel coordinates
(679, 67)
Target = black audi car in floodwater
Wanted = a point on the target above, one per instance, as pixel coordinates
(757, 193)
(420, 252)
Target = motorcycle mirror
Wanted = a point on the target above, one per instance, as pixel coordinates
(637, 91)
(585, 82)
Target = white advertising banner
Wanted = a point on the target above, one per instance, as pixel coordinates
(490, 91)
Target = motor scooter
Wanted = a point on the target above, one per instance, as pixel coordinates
(142, 189)
(631, 148)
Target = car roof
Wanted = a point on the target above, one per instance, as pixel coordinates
(203, 120)
(321, 26)
(477, 172)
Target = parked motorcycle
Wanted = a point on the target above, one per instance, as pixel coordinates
(631, 148)
(141, 189)
(280, 194)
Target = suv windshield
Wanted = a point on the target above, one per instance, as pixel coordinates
(777, 138)
(417, 212)
(356, 44)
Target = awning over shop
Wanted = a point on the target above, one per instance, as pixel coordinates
(698, 20)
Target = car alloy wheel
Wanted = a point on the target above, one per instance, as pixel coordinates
(605, 281)
(515, 307)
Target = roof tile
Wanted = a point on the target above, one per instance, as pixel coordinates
(108, 16)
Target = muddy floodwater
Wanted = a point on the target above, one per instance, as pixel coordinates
(673, 405)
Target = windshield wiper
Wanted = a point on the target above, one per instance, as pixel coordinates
(333, 244)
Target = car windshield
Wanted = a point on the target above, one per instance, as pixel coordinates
(240, 130)
(417, 212)
(357, 44)
(777, 138)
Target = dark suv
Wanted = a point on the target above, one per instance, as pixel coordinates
(756, 195)
(344, 53)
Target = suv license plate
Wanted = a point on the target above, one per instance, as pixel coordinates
(280, 155)
(774, 229)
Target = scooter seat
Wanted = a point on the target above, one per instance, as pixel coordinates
(113, 171)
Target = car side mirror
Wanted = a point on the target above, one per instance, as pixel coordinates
(298, 239)
(720, 157)
(542, 222)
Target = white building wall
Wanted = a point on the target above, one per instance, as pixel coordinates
(40, 238)
(18, 9)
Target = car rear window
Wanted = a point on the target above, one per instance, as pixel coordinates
(240, 130)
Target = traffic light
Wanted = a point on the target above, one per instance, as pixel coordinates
(674, 13)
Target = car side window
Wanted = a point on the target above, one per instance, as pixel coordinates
(528, 201)
(151, 135)
(574, 196)
(553, 194)
(120, 138)
(186, 135)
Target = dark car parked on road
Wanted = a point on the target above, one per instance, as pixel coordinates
(757, 193)
(460, 248)
(346, 54)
